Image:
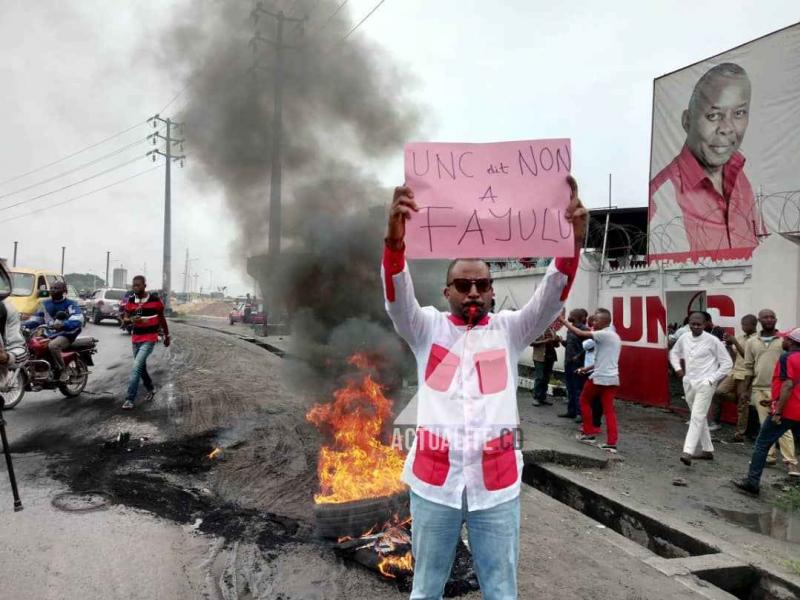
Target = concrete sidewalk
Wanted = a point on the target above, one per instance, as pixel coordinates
(641, 477)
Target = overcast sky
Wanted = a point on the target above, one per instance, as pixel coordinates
(77, 72)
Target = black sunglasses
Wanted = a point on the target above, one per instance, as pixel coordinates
(464, 286)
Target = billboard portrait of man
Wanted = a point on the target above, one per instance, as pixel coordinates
(725, 140)
(702, 201)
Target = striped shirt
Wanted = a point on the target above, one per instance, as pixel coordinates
(147, 316)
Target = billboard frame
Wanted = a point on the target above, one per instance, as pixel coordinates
(653, 109)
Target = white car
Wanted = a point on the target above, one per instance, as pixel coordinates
(104, 304)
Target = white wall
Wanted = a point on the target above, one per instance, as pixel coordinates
(776, 279)
(514, 288)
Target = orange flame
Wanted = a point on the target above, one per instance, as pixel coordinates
(357, 464)
(215, 453)
(390, 566)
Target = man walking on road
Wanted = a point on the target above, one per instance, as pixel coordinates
(463, 465)
(146, 312)
(784, 412)
(707, 363)
(761, 355)
(604, 378)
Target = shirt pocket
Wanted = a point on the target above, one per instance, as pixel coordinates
(492, 370)
(431, 458)
(499, 463)
(441, 368)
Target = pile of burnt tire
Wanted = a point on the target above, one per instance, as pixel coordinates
(376, 533)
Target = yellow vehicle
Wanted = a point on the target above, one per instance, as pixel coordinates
(29, 286)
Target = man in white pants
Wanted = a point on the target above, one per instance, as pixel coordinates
(707, 362)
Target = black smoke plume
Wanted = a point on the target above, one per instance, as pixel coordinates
(346, 109)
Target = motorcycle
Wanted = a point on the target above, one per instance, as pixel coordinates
(36, 373)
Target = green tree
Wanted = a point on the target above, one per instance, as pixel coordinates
(85, 281)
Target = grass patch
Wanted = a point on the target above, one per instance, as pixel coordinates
(794, 566)
(790, 500)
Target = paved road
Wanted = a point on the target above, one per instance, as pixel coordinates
(42, 410)
(114, 553)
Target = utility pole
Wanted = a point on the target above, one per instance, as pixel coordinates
(63, 251)
(277, 116)
(14, 263)
(167, 154)
(108, 265)
(186, 272)
(605, 231)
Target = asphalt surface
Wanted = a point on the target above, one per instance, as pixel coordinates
(46, 553)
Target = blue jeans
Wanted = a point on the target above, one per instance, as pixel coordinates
(574, 388)
(141, 351)
(493, 540)
(767, 436)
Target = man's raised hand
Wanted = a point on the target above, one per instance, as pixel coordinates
(576, 213)
(403, 206)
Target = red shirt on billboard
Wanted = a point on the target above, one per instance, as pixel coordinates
(704, 222)
(702, 204)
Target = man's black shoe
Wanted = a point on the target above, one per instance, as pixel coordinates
(547, 402)
(566, 416)
(745, 486)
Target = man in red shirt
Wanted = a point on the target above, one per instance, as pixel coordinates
(146, 312)
(785, 411)
(702, 204)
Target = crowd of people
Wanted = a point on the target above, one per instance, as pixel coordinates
(760, 367)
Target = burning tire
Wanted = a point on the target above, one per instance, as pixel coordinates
(360, 516)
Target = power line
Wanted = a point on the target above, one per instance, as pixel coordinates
(21, 202)
(333, 14)
(94, 145)
(361, 22)
(76, 153)
(175, 97)
(78, 168)
(105, 187)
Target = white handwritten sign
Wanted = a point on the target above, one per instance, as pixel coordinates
(498, 200)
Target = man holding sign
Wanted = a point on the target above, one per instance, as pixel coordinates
(464, 465)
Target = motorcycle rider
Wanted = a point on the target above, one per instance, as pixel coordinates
(63, 319)
(13, 350)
